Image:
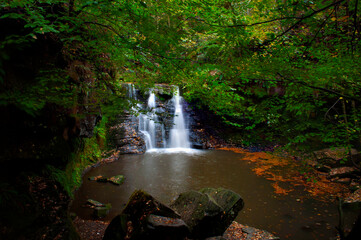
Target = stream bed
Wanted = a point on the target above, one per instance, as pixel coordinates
(166, 174)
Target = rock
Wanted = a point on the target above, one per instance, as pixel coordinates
(254, 233)
(230, 202)
(208, 212)
(342, 172)
(197, 145)
(342, 180)
(240, 231)
(98, 178)
(166, 228)
(353, 200)
(132, 222)
(118, 228)
(101, 212)
(117, 180)
(198, 211)
(94, 203)
(335, 156)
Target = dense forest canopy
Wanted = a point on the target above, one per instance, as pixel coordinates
(277, 69)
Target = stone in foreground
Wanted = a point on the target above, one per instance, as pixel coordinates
(209, 212)
(133, 222)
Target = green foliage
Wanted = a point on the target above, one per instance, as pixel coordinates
(272, 68)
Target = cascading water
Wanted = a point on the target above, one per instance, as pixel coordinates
(150, 126)
(179, 133)
(153, 129)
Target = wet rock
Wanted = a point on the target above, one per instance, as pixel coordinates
(95, 203)
(197, 145)
(208, 212)
(132, 222)
(98, 178)
(230, 202)
(166, 228)
(117, 180)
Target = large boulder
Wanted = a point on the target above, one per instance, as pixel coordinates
(136, 221)
(208, 212)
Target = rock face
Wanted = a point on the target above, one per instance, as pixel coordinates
(203, 214)
(208, 212)
(127, 137)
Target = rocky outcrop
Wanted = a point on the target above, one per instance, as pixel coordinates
(339, 164)
(125, 136)
(198, 215)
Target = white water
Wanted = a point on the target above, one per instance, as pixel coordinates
(153, 130)
(179, 133)
(150, 126)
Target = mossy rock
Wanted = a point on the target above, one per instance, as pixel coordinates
(117, 180)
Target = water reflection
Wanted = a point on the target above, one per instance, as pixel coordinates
(165, 175)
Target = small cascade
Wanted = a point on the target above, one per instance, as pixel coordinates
(179, 133)
(152, 127)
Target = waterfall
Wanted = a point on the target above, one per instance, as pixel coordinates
(153, 129)
(150, 126)
(179, 132)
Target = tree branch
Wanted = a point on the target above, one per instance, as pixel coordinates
(307, 85)
(303, 18)
(273, 20)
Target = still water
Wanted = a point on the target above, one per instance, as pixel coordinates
(165, 175)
